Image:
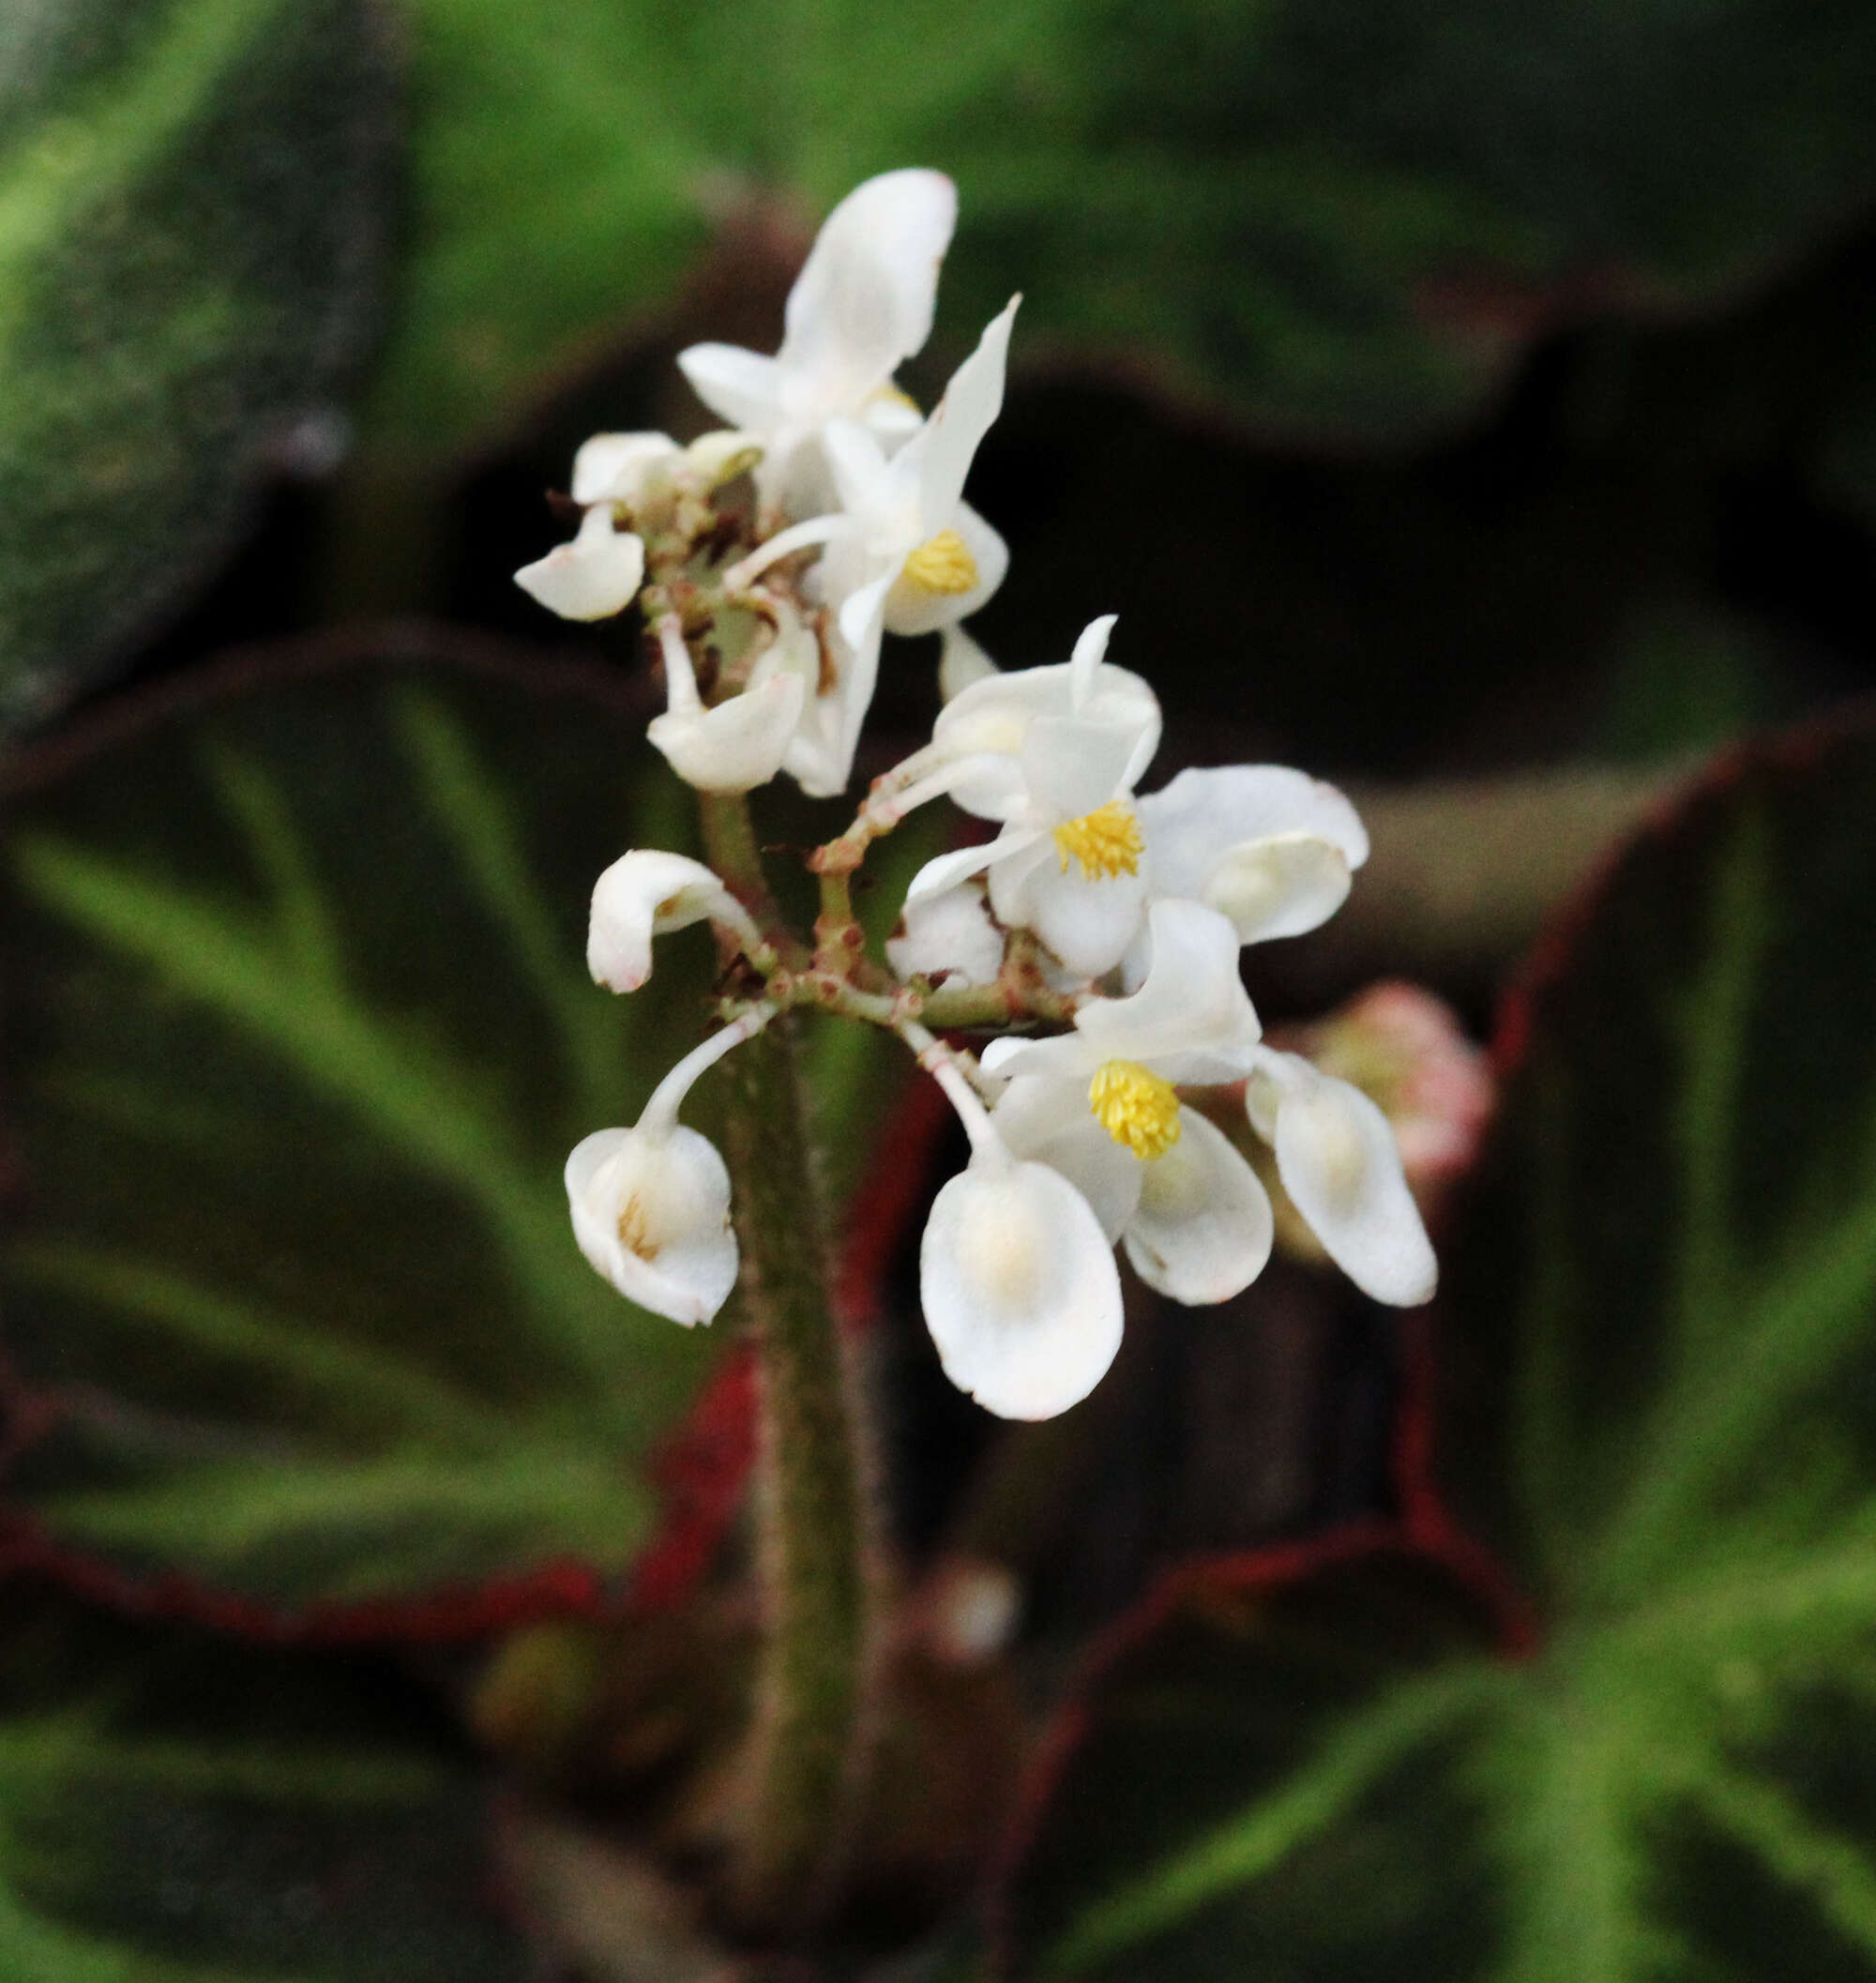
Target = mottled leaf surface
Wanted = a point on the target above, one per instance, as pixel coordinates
(1658, 1400)
(1334, 218)
(174, 1813)
(193, 200)
(298, 1037)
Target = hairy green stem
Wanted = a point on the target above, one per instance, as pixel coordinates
(813, 1509)
(813, 1516)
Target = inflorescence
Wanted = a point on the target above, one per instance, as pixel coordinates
(1114, 915)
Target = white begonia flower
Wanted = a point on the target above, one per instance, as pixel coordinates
(1015, 1275)
(1272, 848)
(1338, 1158)
(949, 936)
(594, 576)
(1052, 753)
(651, 1204)
(1100, 1105)
(647, 893)
(860, 307)
(741, 743)
(904, 554)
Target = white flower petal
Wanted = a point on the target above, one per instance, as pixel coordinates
(863, 477)
(1200, 814)
(647, 893)
(616, 467)
(740, 386)
(1337, 1157)
(1191, 1020)
(949, 935)
(739, 744)
(1047, 1119)
(1019, 1289)
(1087, 921)
(943, 451)
(993, 714)
(961, 662)
(1203, 1228)
(1073, 767)
(1281, 886)
(946, 870)
(594, 576)
(863, 301)
(651, 1212)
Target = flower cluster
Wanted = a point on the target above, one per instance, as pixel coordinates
(770, 560)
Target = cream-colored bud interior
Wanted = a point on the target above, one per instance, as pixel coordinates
(1001, 1261)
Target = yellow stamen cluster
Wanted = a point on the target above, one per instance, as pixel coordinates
(1107, 841)
(1136, 1107)
(943, 563)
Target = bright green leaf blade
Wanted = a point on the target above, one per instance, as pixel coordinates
(193, 196)
(1659, 1331)
(300, 1033)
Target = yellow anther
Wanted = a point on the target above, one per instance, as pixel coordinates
(1107, 841)
(943, 563)
(890, 395)
(1136, 1107)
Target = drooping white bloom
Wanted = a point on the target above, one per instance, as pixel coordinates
(1052, 753)
(903, 552)
(1272, 848)
(651, 1204)
(1016, 1277)
(1100, 1105)
(741, 743)
(647, 893)
(861, 306)
(594, 576)
(1338, 1161)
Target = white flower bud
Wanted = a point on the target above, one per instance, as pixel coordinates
(648, 893)
(651, 1205)
(651, 1212)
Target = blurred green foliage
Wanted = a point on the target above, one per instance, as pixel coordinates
(1655, 1404)
(193, 208)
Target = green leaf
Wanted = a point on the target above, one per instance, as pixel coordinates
(192, 200)
(1656, 1402)
(171, 1813)
(299, 1036)
(1331, 214)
